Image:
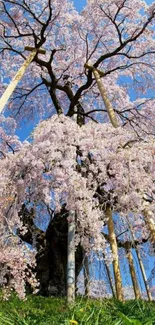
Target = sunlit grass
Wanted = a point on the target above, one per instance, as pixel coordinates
(54, 311)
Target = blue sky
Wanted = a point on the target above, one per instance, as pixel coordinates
(79, 4)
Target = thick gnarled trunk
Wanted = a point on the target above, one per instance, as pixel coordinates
(51, 245)
(52, 263)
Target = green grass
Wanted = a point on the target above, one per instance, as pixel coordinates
(54, 311)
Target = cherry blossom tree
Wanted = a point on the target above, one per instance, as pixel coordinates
(82, 167)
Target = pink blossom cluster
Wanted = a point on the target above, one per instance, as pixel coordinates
(9, 142)
(84, 168)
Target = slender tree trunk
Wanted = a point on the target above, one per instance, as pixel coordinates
(71, 259)
(86, 276)
(107, 103)
(114, 248)
(110, 279)
(140, 263)
(11, 87)
(143, 274)
(133, 273)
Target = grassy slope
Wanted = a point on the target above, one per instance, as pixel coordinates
(53, 311)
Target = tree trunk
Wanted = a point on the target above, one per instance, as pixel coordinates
(11, 87)
(143, 274)
(51, 245)
(86, 276)
(107, 103)
(140, 263)
(52, 259)
(113, 244)
(133, 273)
(109, 279)
(71, 259)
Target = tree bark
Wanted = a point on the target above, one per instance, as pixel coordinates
(51, 245)
(52, 260)
(113, 244)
